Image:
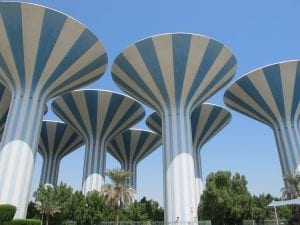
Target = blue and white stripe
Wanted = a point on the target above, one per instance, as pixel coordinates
(43, 53)
(5, 99)
(131, 147)
(173, 73)
(97, 116)
(206, 121)
(271, 95)
(56, 141)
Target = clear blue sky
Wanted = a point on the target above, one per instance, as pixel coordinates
(258, 32)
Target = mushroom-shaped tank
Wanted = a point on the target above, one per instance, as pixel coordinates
(43, 53)
(131, 147)
(173, 73)
(206, 121)
(56, 141)
(98, 116)
(271, 95)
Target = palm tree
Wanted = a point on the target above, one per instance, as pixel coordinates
(292, 187)
(48, 209)
(118, 195)
(46, 202)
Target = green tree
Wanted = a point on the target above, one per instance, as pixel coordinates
(137, 212)
(155, 212)
(291, 191)
(226, 199)
(54, 198)
(292, 187)
(118, 195)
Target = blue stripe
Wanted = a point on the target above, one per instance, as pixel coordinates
(133, 109)
(140, 145)
(113, 108)
(129, 90)
(273, 77)
(148, 53)
(58, 135)
(222, 123)
(296, 97)
(73, 108)
(66, 148)
(210, 120)
(116, 151)
(52, 26)
(246, 106)
(195, 116)
(129, 70)
(225, 69)
(44, 137)
(246, 85)
(181, 48)
(97, 63)
(7, 72)
(82, 45)
(127, 142)
(211, 53)
(91, 98)
(11, 14)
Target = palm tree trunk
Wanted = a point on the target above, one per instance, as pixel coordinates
(47, 219)
(116, 215)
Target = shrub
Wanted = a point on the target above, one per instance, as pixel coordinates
(24, 222)
(7, 212)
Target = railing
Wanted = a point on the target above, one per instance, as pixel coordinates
(266, 222)
(207, 222)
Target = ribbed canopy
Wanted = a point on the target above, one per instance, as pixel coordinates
(177, 70)
(98, 116)
(56, 141)
(45, 52)
(271, 95)
(132, 146)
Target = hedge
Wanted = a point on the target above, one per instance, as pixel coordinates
(24, 222)
(7, 212)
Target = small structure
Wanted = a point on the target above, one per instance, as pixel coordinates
(271, 95)
(173, 73)
(56, 141)
(131, 147)
(97, 116)
(206, 121)
(43, 54)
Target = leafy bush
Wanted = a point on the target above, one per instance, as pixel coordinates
(7, 212)
(24, 222)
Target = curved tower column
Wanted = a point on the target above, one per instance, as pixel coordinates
(206, 121)
(56, 141)
(173, 73)
(271, 95)
(132, 146)
(97, 116)
(43, 53)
